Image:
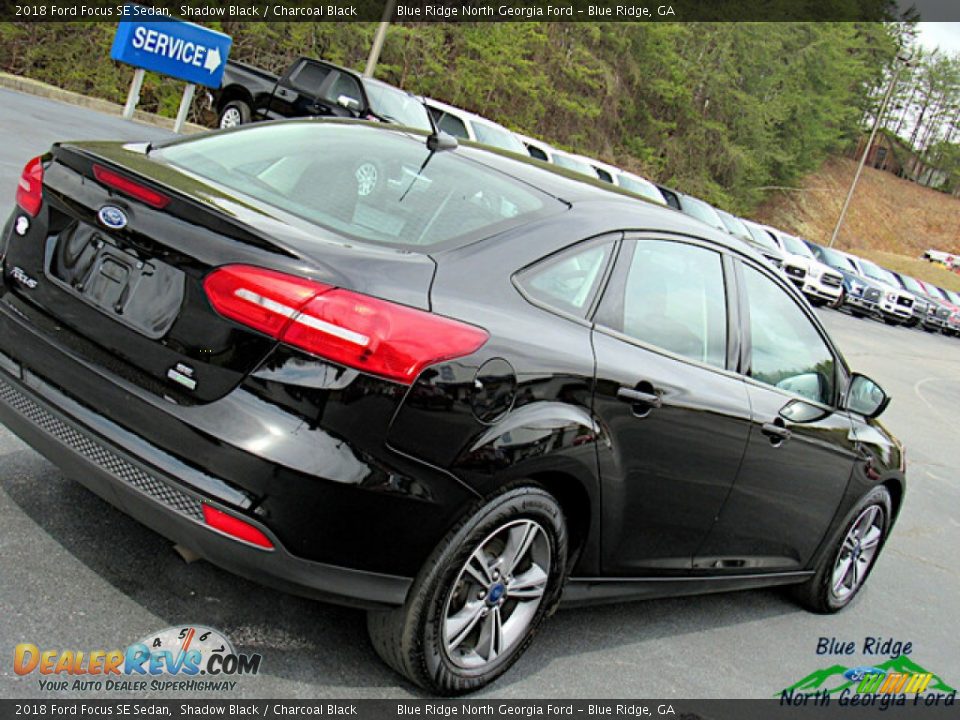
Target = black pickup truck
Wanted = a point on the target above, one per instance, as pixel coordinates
(312, 87)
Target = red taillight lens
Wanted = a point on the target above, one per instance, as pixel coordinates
(362, 332)
(235, 527)
(30, 188)
(130, 187)
(262, 299)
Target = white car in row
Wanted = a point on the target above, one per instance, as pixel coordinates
(469, 126)
(819, 282)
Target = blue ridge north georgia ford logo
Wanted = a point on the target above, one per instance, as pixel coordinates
(113, 217)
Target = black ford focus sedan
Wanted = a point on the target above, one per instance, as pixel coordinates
(448, 385)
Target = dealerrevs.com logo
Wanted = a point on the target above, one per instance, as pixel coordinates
(188, 659)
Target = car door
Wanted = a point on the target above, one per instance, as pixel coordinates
(675, 417)
(297, 92)
(802, 449)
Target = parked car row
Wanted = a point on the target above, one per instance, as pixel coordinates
(823, 275)
(895, 298)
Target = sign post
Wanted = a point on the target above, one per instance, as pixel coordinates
(176, 48)
(133, 97)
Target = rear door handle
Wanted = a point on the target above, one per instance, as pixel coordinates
(776, 431)
(637, 397)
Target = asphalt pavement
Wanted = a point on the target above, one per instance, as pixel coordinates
(76, 573)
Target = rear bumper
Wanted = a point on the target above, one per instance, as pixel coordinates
(31, 409)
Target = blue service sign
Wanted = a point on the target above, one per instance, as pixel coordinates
(172, 47)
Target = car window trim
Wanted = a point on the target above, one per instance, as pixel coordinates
(841, 371)
(617, 283)
(615, 238)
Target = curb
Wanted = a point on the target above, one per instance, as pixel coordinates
(42, 89)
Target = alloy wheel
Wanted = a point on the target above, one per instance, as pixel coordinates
(857, 552)
(496, 594)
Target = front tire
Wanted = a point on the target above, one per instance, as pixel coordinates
(481, 596)
(844, 569)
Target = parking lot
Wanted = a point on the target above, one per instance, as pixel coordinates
(75, 573)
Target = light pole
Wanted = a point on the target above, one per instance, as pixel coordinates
(379, 38)
(901, 63)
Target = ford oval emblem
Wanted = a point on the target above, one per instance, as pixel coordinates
(113, 217)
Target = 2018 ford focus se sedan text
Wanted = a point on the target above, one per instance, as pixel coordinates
(444, 384)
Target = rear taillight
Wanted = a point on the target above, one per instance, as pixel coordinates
(125, 185)
(30, 188)
(235, 527)
(378, 337)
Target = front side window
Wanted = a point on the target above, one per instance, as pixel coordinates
(787, 351)
(570, 280)
(346, 87)
(673, 298)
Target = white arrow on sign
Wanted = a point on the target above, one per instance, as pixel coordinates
(212, 61)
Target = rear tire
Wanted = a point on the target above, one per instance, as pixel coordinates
(233, 114)
(844, 568)
(480, 597)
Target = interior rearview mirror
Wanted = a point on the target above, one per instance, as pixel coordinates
(864, 396)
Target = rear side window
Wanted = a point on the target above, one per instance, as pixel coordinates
(363, 181)
(537, 153)
(308, 78)
(674, 298)
(603, 175)
(568, 281)
(671, 198)
(787, 351)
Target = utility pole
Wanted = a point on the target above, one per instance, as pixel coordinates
(378, 39)
(901, 62)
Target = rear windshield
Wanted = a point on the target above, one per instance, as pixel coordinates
(362, 181)
(499, 137)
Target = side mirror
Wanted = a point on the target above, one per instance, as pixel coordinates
(798, 411)
(864, 396)
(352, 104)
